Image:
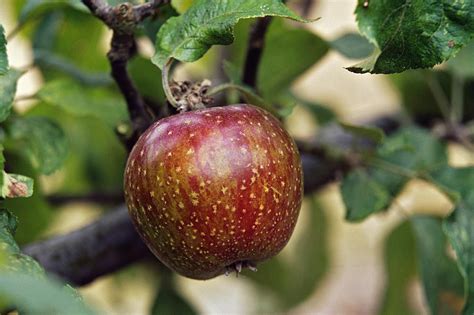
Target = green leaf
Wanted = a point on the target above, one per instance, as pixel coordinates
(15, 185)
(372, 133)
(459, 180)
(352, 46)
(409, 153)
(8, 83)
(362, 195)
(44, 142)
(81, 101)
(413, 34)
(170, 302)
(34, 8)
(34, 213)
(463, 63)
(3, 52)
(206, 23)
(442, 282)
(459, 228)
(280, 67)
(15, 260)
(39, 296)
(400, 265)
(51, 61)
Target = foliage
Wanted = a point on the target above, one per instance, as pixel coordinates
(70, 134)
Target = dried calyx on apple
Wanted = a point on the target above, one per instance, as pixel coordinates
(214, 190)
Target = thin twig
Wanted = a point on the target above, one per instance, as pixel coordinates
(254, 51)
(123, 20)
(94, 197)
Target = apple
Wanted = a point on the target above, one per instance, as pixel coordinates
(214, 190)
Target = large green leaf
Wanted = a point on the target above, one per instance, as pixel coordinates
(280, 67)
(44, 142)
(400, 262)
(206, 23)
(411, 152)
(82, 101)
(442, 282)
(8, 83)
(411, 34)
(3, 52)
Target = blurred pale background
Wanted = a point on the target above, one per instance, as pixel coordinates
(356, 278)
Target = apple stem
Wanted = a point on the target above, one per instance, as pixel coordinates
(185, 95)
(166, 83)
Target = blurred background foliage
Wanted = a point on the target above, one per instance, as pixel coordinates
(76, 94)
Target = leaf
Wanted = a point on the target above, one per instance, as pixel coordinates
(15, 260)
(170, 302)
(3, 52)
(34, 8)
(44, 142)
(412, 150)
(15, 185)
(372, 133)
(279, 68)
(442, 282)
(8, 83)
(34, 213)
(51, 61)
(206, 23)
(463, 63)
(352, 46)
(409, 153)
(459, 180)
(39, 296)
(410, 34)
(400, 265)
(459, 228)
(362, 195)
(80, 101)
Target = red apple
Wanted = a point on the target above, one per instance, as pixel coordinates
(214, 190)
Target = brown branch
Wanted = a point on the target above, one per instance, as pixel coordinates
(112, 243)
(123, 20)
(109, 198)
(254, 51)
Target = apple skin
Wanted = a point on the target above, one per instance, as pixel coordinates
(216, 189)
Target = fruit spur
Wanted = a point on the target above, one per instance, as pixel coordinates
(214, 190)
